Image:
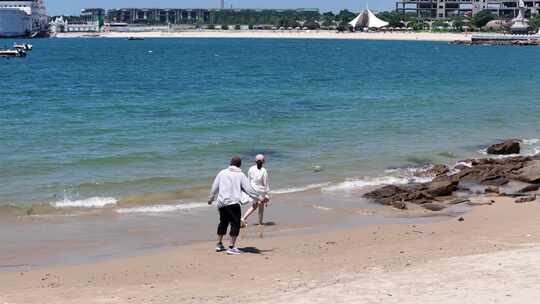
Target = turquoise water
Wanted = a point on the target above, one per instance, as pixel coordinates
(83, 118)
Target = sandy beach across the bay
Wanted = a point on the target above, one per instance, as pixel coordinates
(493, 256)
(412, 36)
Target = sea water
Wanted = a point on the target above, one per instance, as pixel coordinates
(96, 123)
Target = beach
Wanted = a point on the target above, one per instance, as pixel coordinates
(404, 36)
(491, 256)
(110, 147)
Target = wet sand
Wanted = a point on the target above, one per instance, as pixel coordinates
(414, 36)
(491, 256)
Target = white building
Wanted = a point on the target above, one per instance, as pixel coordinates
(20, 18)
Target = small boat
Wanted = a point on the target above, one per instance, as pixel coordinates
(24, 47)
(12, 53)
(135, 38)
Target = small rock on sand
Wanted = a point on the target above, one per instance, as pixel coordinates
(526, 199)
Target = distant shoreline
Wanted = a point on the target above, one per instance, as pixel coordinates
(403, 36)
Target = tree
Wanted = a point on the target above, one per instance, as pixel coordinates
(458, 23)
(482, 18)
(343, 27)
(211, 27)
(534, 22)
(345, 16)
(328, 19)
(394, 19)
(237, 27)
(312, 25)
(417, 25)
(440, 24)
(225, 27)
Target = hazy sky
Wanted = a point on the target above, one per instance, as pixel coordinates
(57, 7)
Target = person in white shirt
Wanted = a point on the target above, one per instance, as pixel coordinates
(227, 188)
(258, 177)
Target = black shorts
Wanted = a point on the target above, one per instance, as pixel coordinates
(229, 215)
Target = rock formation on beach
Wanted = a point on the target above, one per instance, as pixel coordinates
(507, 147)
(490, 173)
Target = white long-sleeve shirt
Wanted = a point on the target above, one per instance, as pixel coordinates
(259, 180)
(229, 185)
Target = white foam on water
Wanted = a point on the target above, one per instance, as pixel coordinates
(155, 209)
(299, 189)
(530, 141)
(377, 181)
(462, 163)
(93, 202)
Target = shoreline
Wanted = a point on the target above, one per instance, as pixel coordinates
(399, 36)
(314, 267)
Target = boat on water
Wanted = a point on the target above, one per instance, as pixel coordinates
(12, 53)
(135, 38)
(24, 47)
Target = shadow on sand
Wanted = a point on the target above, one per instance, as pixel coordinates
(254, 250)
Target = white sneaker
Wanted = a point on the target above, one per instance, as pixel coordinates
(220, 248)
(234, 251)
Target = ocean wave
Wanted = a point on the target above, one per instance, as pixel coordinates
(299, 189)
(160, 208)
(93, 202)
(530, 141)
(377, 181)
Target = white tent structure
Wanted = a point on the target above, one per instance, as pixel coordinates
(368, 20)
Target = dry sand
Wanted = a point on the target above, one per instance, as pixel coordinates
(415, 36)
(493, 256)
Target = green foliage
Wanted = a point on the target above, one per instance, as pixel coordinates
(101, 21)
(534, 22)
(394, 19)
(211, 27)
(237, 27)
(312, 25)
(458, 23)
(289, 22)
(418, 25)
(345, 16)
(343, 27)
(482, 18)
(268, 17)
(225, 27)
(440, 24)
(328, 19)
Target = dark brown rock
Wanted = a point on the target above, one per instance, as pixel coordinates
(507, 147)
(438, 170)
(530, 172)
(459, 201)
(492, 189)
(434, 206)
(388, 194)
(442, 187)
(526, 199)
(399, 205)
(529, 188)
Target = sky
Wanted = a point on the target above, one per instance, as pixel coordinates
(73, 7)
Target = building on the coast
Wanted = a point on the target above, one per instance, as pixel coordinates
(174, 17)
(442, 9)
(156, 16)
(22, 18)
(92, 14)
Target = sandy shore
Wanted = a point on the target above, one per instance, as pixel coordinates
(491, 256)
(413, 36)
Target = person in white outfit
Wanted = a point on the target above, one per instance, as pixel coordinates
(258, 177)
(227, 190)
